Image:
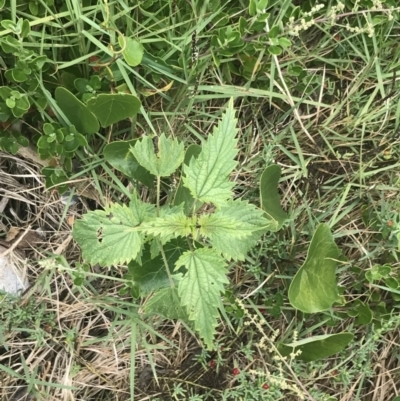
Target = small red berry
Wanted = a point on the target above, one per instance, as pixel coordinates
(235, 371)
(265, 386)
(262, 311)
(212, 364)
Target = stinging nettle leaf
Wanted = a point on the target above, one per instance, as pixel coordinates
(207, 176)
(151, 274)
(118, 154)
(110, 236)
(183, 194)
(201, 287)
(170, 226)
(234, 229)
(165, 161)
(314, 288)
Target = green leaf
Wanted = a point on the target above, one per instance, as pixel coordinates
(8, 24)
(133, 52)
(275, 50)
(317, 347)
(182, 194)
(234, 229)
(151, 274)
(285, 43)
(18, 75)
(364, 314)
(77, 113)
(163, 163)
(270, 200)
(391, 282)
(200, 289)
(165, 302)
(111, 236)
(119, 155)
(274, 32)
(10, 102)
(25, 28)
(262, 5)
(2, 3)
(252, 8)
(207, 177)
(314, 288)
(170, 226)
(112, 108)
(33, 8)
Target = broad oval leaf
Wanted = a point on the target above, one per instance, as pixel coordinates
(201, 287)
(77, 113)
(133, 51)
(110, 236)
(314, 288)
(270, 199)
(317, 347)
(112, 108)
(118, 154)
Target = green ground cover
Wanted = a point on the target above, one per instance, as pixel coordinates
(203, 196)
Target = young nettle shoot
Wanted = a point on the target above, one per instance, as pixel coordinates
(197, 277)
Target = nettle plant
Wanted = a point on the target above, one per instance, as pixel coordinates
(185, 255)
(180, 251)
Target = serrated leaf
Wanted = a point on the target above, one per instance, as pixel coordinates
(171, 226)
(133, 51)
(234, 229)
(317, 347)
(314, 288)
(182, 194)
(118, 154)
(77, 113)
(163, 163)
(270, 200)
(201, 287)
(112, 108)
(165, 302)
(151, 274)
(207, 177)
(109, 236)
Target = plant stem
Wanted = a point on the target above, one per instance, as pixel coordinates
(158, 194)
(171, 281)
